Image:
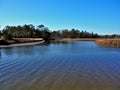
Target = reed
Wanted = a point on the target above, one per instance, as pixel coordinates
(108, 42)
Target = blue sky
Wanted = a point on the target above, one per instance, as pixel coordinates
(100, 16)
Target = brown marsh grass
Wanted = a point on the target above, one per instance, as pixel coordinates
(108, 42)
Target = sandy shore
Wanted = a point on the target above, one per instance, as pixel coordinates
(22, 44)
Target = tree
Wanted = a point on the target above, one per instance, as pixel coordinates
(65, 33)
(74, 33)
(6, 37)
(55, 34)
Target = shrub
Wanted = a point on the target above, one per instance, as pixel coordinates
(6, 37)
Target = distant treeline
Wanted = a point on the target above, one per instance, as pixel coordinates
(40, 31)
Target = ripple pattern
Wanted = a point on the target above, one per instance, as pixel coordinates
(72, 66)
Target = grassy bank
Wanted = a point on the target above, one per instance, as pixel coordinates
(108, 42)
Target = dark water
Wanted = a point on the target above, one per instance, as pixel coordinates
(74, 65)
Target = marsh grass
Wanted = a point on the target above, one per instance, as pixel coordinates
(108, 42)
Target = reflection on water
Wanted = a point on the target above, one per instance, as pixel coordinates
(0, 53)
(73, 65)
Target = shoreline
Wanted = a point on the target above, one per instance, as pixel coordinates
(79, 39)
(34, 41)
(22, 44)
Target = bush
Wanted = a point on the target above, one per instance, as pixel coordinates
(6, 37)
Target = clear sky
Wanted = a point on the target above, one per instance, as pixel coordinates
(100, 16)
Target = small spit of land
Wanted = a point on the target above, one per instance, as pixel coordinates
(20, 42)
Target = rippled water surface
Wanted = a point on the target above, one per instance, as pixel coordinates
(74, 65)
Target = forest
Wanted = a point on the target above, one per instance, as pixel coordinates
(41, 31)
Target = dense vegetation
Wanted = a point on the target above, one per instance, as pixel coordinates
(40, 31)
(25, 31)
(30, 31)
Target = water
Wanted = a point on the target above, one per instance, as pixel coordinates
(74, 65)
